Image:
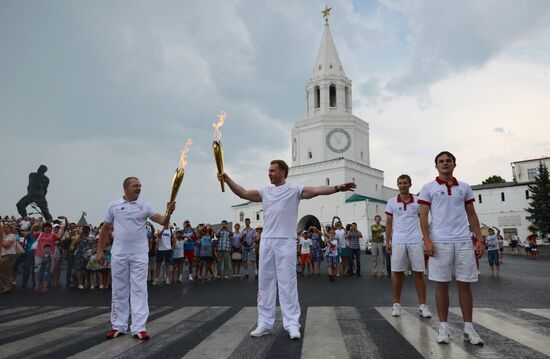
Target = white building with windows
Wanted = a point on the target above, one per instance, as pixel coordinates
(331, 146)
(503, 204)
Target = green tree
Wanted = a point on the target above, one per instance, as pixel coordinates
(494, 179)
(539, 206)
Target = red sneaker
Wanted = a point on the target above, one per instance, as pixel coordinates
(113, 334)
(142, 335)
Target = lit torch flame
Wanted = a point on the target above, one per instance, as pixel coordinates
(218, 125)
(183, 153)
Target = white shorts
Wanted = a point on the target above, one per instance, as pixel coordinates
(460, 255)
(413, 251)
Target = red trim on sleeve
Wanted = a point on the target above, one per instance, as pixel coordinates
(471, 200)
(389, 214)
(423, 202)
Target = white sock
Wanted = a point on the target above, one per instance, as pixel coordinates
(444, 325)
(468, 325)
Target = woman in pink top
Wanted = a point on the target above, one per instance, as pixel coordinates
(43, 238)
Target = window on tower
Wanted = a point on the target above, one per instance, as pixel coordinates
(346, 94)
(332, 95)
(317, 99)
(309, 154)
(327, 181)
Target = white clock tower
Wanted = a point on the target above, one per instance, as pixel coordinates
(329, 147)
(330, 130)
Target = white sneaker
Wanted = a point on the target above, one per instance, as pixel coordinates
(470, 335)
(155, 282)
(424, 312)
(190, 277)
(443, 335)
(259, 332)
(294, 333)
(396, 310)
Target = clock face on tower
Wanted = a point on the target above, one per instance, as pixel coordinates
(294, 149)
(338, 140)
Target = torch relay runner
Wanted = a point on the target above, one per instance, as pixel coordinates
(129, 258)
(277, 268)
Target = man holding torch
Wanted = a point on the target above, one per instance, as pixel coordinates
(278, 249)
(129, 257)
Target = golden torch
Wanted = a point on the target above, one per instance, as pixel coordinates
(217, 146)
(178, 175)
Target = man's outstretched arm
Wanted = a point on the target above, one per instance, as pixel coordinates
(252, 195)
(310, 192)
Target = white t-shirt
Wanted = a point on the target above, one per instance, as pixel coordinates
(449, 221)
(405, 220)
(280, 206)
(306, 244)
(128, 219)
(341, 236)
(492, 242)
(165, 240)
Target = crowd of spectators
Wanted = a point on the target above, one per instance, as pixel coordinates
(37, 253)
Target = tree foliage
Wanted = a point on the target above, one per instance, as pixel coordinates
(494, 179)
(539, 205)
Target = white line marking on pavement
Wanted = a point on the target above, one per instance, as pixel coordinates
(545, 313)
(421, 336)
(222, 342)
(14, 348)
(113, 347)
(40, 317)
(15, 310)
(519, 333)
(322, 335)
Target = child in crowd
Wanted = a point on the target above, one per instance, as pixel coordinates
(205, 253)
(317, 249)
(332, 257)
(305, 253)
(178, 257)
(46, 268)
(491, 241)
(94, 270)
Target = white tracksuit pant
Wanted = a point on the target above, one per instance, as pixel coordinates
(129, 273)
(278, 268)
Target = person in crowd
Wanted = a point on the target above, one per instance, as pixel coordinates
(8, 256)
(340, 233)
(377, 241)
(47, 236)
(532, 240)
(305, 253)
(257, 241)
(491, 241)
(46, 268)
(73, 238)
(236, 251)
(95, 270)
(354, 236)
(152, 251)
(514, 241)
(165, 248)
(317, 249)
(82, 255)
(500, 247)
(107, 279)
(178, 257)
(206, 253)
(225, 238)
(57, 255)
(247, 241)
(189, 246)
(28, 264)
(332, 255)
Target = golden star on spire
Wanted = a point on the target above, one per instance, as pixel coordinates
(326, 13)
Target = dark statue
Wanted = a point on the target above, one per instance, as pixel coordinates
(36, 193)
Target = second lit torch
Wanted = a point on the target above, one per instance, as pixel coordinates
(217, 146)
(178, 175)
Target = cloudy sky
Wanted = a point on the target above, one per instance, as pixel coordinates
(102, 90)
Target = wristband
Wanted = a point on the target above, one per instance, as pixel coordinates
(336, 188)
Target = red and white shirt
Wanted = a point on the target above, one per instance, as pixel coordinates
(447, 208)
(405, 222)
